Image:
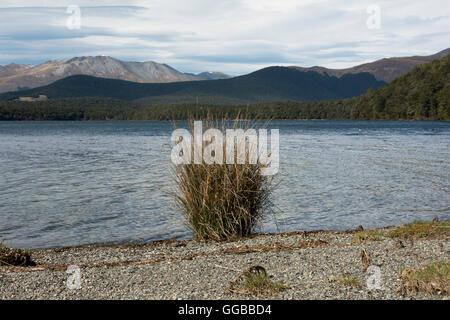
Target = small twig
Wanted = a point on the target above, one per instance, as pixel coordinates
(226, 268)
(6, 263)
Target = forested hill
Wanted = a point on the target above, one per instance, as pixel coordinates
(422, 94)
(266, 85)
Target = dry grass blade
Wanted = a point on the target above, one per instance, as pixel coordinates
(346, 280)
(365, 259)
(273, 247)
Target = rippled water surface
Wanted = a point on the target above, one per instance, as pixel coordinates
(70, 183)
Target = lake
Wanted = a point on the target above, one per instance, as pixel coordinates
(71, 183)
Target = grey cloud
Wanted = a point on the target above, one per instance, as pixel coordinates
(229, 36)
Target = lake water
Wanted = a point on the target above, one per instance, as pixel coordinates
(71, 183)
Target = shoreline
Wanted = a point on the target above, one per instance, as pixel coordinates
(306, 262)
(137, 244)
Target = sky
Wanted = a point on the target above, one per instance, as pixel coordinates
(231, 36)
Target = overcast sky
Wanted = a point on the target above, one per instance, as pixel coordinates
(232, 36)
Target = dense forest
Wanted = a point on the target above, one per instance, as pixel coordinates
(422, 94)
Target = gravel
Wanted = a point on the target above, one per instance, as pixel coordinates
(199, 270)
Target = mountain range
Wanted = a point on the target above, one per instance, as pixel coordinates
(265, 85)
(19, 76)
(150, 83)
(384, 69)
(15, 77)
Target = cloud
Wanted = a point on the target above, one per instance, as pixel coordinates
(233, 36)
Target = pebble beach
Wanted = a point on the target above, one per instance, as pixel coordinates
(307, 263)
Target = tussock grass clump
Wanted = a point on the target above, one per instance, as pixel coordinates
(15, 257)
(369, 235)
(260, 284)
(223, 201)
(347, 281)
(350, 281)
(422, 230)
(255, 282)
(432, 279)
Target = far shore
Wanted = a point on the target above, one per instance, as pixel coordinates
(258, 119)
